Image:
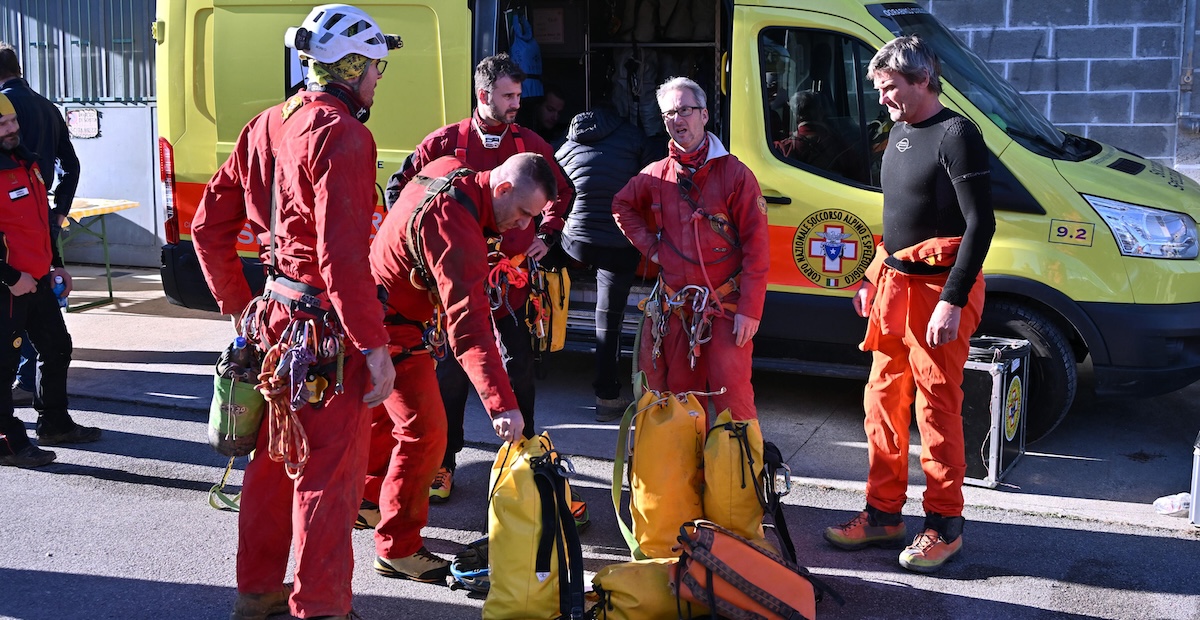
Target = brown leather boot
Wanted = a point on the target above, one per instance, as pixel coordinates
(259, 606)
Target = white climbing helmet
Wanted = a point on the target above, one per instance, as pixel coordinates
(331, 31)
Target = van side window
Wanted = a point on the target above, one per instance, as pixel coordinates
(821, 111)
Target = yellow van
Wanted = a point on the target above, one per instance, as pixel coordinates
(1095, 255)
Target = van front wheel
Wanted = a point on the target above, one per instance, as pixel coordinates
(1053, 376)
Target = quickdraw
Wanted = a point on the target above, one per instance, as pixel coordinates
(288, 382)
(434, 334)
(538, 319)
(696, 306)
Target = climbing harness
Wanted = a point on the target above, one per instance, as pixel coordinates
(433, 332)
(695, 305)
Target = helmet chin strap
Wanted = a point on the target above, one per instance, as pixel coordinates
(349, 96)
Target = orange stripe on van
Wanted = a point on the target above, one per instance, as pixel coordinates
(187, 201)
(784, 271)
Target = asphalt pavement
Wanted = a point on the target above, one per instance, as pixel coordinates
(121, 528)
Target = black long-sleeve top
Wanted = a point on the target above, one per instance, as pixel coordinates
(937, 183)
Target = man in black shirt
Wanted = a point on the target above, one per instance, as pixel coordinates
(923, 302)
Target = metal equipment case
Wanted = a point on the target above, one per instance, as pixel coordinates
(995, 383)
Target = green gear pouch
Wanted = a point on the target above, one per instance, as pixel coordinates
(234, 417)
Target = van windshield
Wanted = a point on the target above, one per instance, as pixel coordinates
(975, 79)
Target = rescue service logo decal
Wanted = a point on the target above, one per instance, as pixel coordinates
(833, 248)
(1012, 409)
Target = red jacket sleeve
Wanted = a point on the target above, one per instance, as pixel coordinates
(434, 145)
(220, 217)
(457, 254)
(631, 208)
(750, 212)
(342, 165)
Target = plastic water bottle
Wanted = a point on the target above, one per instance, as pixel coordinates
(60, 291)
(241, 359)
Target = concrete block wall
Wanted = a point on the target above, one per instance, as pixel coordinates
(1109, 70)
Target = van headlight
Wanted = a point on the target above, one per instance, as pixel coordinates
(1149, 233)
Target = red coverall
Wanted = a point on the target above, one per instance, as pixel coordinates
(657, 220)
(461, 140)
(326, 160)
(455, 249)
(904, 368)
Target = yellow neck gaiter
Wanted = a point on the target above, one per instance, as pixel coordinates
(348, 69)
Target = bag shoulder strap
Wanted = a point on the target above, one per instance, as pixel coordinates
(434, 187)
(619, 467)
(464, 134)
(772, 463)
(558, 532)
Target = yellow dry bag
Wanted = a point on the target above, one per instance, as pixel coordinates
(558, 286)
(535, 562)
(640, 590)
(546, 313)
(733, 467)
(665, 475)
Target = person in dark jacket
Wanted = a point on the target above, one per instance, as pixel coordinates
(601, 154)
(43, 132)
(29, 262)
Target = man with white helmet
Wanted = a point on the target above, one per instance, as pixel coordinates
(317, 157)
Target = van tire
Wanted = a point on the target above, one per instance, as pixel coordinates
(1053, 376)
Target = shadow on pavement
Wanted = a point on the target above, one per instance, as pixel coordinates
(163, 389)
(133, 445)
(39, 595)
(195, 358)
(126, 477)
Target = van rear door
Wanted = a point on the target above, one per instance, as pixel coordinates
(223, 62)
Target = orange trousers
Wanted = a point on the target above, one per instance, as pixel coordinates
(905, 370)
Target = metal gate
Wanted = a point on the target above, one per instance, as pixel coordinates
(77, 51)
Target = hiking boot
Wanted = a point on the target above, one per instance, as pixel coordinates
(368, 516)
(439, 491)
(259, 606)
(940, 541)
(29, 457)
(21, 397)
(609, 409)
(78, 434)
(929, 551)
(869, 528)
(421, 566)
(579, 511)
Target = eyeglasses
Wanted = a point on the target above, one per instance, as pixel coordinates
(380, 66)
(684, 111)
